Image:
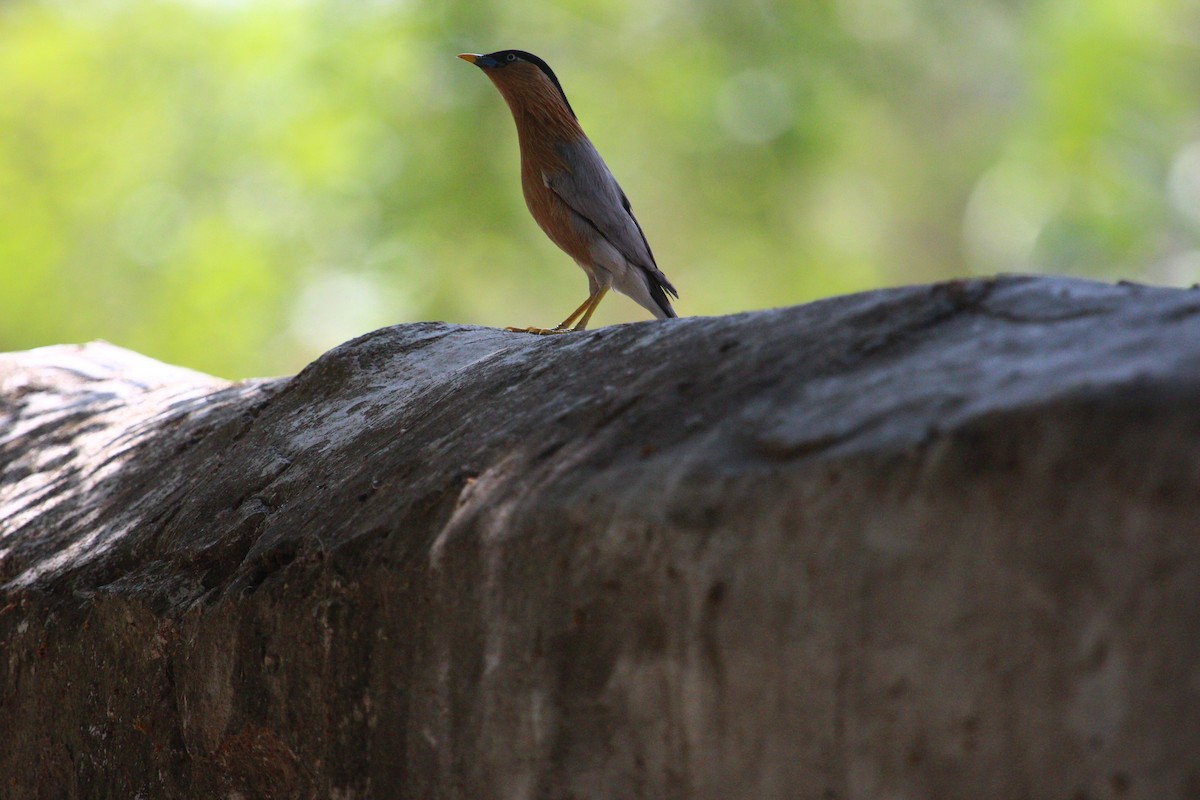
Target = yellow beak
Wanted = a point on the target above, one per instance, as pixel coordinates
(472, 57)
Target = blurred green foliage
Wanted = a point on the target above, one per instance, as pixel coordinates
(235, 185)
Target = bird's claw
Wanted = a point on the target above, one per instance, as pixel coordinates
(539, 331)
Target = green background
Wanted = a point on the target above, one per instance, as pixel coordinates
(237, 186)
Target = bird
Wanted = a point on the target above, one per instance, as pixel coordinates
(571, 193)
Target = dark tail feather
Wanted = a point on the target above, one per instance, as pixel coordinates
(660, 287)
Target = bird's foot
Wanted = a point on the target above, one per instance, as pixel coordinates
(540, 331)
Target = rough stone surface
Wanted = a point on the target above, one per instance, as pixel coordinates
(932, 542)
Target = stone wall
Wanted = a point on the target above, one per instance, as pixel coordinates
(931, 542)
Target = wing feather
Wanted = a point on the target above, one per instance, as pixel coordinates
(590, 190)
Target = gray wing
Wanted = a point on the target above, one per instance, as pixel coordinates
(593, 193)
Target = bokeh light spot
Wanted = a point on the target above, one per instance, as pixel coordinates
(755, 107)
(1008, 208)
(336, 306)
(1183, 182)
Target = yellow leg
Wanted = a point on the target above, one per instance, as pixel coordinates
(586, 309)
(594, 300)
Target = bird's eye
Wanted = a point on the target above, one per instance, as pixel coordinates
(511, 57)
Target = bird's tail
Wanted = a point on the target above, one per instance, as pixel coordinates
(659, 288)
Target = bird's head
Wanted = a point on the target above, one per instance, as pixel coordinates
(520, 76)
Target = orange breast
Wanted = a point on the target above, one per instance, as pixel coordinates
(543, 123)
(552, 214)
